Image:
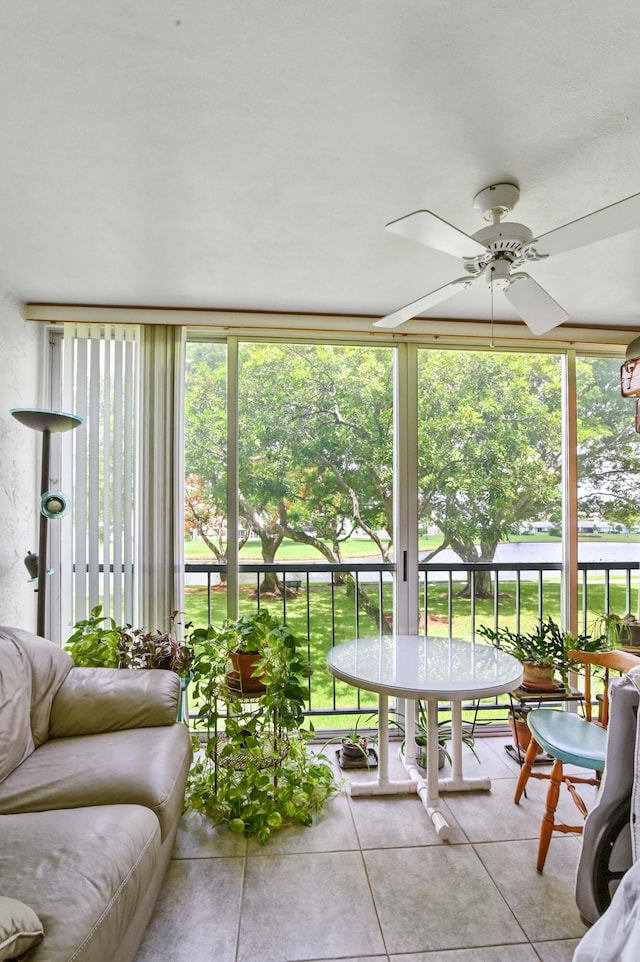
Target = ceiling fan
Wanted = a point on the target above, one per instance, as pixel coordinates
(496, 253)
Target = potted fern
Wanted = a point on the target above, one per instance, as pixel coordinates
(543, 651)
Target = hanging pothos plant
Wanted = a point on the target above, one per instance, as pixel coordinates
(253, 770)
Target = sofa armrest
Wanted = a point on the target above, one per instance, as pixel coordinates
(94, 700)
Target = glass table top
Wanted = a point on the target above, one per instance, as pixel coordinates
(414, 666)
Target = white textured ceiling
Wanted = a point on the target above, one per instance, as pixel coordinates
(246, 154)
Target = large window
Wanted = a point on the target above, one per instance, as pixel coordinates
(317, 473)
(315, 496)
(608, 487)
(489, 481)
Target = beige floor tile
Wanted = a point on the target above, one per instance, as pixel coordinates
(198, 838)
(424, 898)
(493, 953)
(494, 816)
(333, 830)
(492, 759)
(559, 951)
(197, 914)
(399, 820)
(543, 904)
(302, 907)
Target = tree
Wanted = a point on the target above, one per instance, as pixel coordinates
(608, 446)
(315, 445)
(489, 447)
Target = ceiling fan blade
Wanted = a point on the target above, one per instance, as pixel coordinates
(537, 309)
(424, 303)
(606, 222)
(429, 229)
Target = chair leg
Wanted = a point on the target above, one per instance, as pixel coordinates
(548, 819)
(525, 771)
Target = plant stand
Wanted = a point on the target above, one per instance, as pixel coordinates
(524, 697)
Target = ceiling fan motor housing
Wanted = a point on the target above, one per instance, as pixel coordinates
(504, 242)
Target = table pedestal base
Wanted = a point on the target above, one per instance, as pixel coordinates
(427, 787)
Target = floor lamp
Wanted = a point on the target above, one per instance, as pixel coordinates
(53, 504)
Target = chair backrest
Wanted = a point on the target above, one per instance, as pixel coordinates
(615, 660)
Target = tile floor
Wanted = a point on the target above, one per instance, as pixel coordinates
(371, 882)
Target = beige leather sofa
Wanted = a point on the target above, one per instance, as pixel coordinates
(92, 774)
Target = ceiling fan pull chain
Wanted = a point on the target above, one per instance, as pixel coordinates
(491, 268)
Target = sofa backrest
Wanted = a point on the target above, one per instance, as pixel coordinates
(31, 672)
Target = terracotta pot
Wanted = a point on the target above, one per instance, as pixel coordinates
(538, 677)
(521, 734)
(242, 677)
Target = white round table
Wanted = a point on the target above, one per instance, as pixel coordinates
(433, 669)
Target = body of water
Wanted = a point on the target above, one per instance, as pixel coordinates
(521, 552)
(517, 552)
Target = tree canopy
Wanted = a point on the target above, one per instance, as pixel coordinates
(316, 445)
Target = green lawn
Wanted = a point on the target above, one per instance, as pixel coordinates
(197, 550)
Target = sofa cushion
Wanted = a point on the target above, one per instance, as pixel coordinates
(84, 872)
(143, 766)
(93, 700)
(49, 669)
(20, 928)
(16, 740)
(33, 670)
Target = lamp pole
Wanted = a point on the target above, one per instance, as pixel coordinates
(48, 422)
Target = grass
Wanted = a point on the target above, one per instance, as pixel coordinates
(331, 618)
(196, 549)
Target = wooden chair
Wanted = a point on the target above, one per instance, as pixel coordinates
(570, 738)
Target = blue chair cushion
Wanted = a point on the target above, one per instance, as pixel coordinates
(569, 737)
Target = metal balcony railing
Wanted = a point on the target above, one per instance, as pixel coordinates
(328, 603)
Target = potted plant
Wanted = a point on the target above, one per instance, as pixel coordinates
(355, 748)
(94, 642)
(421, 735)
(520, 730)
(620, 631)
(97, 642)
(252, 769)
(244, 639)
(543, 651)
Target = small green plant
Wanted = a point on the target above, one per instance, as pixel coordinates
(252, 768)
(355, 744)
(617, 629)
(421, 732)
(155, 649)
(95, 640)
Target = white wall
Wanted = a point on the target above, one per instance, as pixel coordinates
(20, 386)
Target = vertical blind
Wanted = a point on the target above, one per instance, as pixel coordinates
(98, 545)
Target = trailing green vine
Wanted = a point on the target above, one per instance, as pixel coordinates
(253, 770)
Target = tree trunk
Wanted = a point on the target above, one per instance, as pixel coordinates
(471, 555)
